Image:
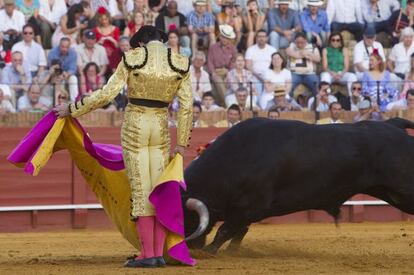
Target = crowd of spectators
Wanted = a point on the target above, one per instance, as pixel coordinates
(258, 55)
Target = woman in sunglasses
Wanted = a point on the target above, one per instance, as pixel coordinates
(335, 62)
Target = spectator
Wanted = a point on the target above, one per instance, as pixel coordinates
(116, 57)
(62, 97)
(208, 104)
(399, 58)
(5, 54)
(403, 104)
(33, 53)
(142, 7)
(70, 26)
(323, 100)
(409, 79)
(237, 78)
(283, 24)
(215, 6)
(221, 59)
(281, 103)
(174, 44)
(363, 49)
(233, 117)
(17, 75)
(30, 10)
(67, 58)
(170, 20)
(50, 13)
(54, 82)
(276, 75)
(243, 100)
(356, 95)
(376, 83)
(119, 11)
(304, 58)
(315, 23)
(90, 51)
(11, 22)
(33, 101)
(106, 34)
(253, 21)
(197, 123)
(335, 62)
(381, 14)
(229, 16)
(259, 56)
(199, 77)
(138, 20)
(91, 80)
(273, 113)
(346, 16)
(5, 105)
(184, 6)
(8, 94)
(335, 111)
(201, 26)
(368, 112)
(299, 5)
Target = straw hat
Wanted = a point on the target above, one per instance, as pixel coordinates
(227, 31)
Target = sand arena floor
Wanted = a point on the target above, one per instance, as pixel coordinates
(368, 248)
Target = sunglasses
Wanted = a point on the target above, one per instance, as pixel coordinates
(62, 97)
(336, 40)
(356, 88)
(27, 32)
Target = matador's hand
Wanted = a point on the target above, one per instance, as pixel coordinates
(61, 110)
(180, 150)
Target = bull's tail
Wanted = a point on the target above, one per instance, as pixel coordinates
(336, 214)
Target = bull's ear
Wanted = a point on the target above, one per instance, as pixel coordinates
(410, 132)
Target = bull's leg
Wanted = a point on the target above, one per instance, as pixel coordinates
(237, 239)
(225, 232)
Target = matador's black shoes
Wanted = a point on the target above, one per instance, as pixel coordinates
(146, 263)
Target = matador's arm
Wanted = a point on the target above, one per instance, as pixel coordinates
(185, 113)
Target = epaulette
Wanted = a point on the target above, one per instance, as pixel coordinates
(178, 62)
(135, 58)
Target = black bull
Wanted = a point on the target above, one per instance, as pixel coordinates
(262, 168)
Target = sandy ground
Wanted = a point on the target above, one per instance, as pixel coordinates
(368, 248)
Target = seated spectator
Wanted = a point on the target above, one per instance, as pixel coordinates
(356, 96)
(62, 97)
(17, 75)
(88, 17)
(8, 94)
(116, 57)
(323, 100)
(335, 111)
(237, 78)
(283, 24)
(199, 77)
(376, 83)
(399, 58)
(242, 99)
(5, 105)
(54, 82)
(142, 7)
(91, 80)
(50, 13)
(201, 26)
(170, 20)
(33, 101)
(315, 23)
(174, 44)
(253, 20)
(259, 56)
(11, 23)
(197, 123)
(381, 13)
(304, 58)
(364, 48)
(229, 16)
(299, 5)
(221, 59)
(70, 26)
(67, 58)
(346, 16)
(335, 62)
(208, 104)
(106, 33)
(5, 54)
(281, 102)
(369, 112)
(276, 75)
(233, 117)
(273, 113)
(90, 51)
(138, 20)
(33, 52)
(403, 104)
(185, 6)
(404, 18)
(119, 11)
(30, 10)
(215, 6)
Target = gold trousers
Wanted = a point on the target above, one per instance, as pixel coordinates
(145, 142)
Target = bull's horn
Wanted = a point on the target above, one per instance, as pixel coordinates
(202, 211)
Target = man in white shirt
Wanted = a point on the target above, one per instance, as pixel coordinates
(199, 77)
(346, 15)
(33, 52)
(50, 13)
(33, 101)
(11, 21)
(400, 56)
(259, 56)
(380, 13)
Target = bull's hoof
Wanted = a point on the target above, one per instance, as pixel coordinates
(210, 249)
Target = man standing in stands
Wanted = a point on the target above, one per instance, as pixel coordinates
(346, 15)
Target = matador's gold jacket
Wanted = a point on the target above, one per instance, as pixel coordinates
(151, 72)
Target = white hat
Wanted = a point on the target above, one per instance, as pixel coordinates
(281, 2)
(316, 3)
(227, 31)
(407, 31)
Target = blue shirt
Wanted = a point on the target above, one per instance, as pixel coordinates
(274, 20)
(68, 62)
(321, 23)
(10, 76)
(206, 20)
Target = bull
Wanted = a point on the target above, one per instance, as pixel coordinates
(262, 168)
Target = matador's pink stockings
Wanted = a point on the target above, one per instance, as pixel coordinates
(152, 235)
